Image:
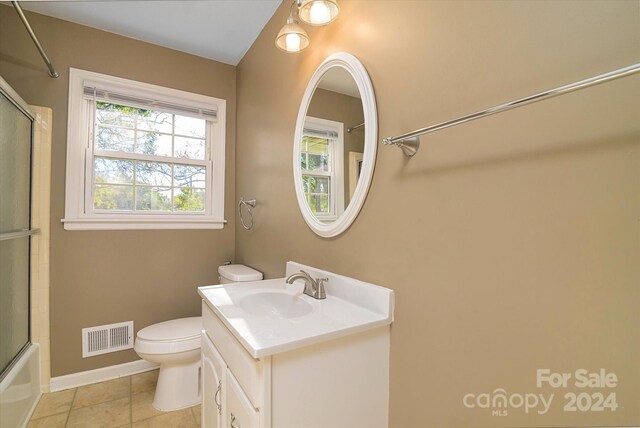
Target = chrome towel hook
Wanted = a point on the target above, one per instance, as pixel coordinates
(249, 205)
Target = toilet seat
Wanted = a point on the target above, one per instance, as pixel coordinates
(179, 335)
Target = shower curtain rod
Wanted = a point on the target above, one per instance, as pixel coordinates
(410, 142)
(355, 127)
(52, 71)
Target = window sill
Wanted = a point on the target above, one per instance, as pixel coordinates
(140, 224)
(325, 218)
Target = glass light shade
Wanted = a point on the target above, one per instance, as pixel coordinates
(318, 12)
(292, 37)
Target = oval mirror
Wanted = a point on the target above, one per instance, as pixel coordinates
(334, 150)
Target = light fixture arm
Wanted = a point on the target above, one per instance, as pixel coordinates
(297, 4)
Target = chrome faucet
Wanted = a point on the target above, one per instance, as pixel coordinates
(312, 287)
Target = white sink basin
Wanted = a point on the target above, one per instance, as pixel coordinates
(271, 316)
(274, 303)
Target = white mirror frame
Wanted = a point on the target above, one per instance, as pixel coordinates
(360, 76)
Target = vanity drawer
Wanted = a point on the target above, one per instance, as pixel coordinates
(248, 371)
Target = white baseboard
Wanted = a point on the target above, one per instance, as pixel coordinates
(74, 380)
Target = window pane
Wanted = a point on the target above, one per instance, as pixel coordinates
(315, 154)
(114, 171)
(317, 162)
(317, 145)
(322, 185)
(311, 184)
(318, 203)
(115, 114)
(189, 176)
(324, 203)
(153, 198)
(188, 199)
(108, 197)
(152, 120)
(116, 139)
(189, 148)
(317, 191)
(153, 173)
(153, 143)
(190, 126)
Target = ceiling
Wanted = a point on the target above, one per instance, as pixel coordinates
(222, 30)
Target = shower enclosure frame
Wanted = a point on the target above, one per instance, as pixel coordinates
(28, 373)
(17, 101)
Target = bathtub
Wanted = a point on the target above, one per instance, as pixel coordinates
(20, 389)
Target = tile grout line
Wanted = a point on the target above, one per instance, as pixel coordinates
(45, 416)
(75, 393)
(195, 418)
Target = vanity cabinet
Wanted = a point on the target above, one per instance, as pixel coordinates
(342, 382)
(224, 403)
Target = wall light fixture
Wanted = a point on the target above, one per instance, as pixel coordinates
(292, 37)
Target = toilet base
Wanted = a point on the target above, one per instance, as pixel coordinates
(178, 386)
(175, 345)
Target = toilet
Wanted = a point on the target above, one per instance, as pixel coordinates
(175, 346)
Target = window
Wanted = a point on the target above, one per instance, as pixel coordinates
(321, 161)
(141, 156)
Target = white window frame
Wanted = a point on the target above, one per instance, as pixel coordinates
(79, 211)
(336, 172)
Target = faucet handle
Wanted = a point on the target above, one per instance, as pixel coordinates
(321, 294)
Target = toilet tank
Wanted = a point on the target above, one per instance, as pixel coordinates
(238, 273)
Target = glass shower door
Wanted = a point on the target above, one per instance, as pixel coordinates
(15, 230)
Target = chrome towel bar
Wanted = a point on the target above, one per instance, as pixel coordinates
(410, 142)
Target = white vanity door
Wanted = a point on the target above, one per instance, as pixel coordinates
(213, 386)
(238, 409)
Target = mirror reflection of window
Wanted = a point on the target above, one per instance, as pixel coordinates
(337, 98)
(321, 166)
(316, 177)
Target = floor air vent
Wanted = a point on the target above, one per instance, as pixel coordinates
(107, 338)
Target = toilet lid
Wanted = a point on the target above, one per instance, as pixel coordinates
(180, 329)
(239, 273)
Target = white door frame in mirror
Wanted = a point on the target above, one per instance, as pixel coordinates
(360, 76)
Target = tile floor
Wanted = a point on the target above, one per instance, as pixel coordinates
(123, 402)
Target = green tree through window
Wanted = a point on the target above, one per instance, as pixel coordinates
(137, 185)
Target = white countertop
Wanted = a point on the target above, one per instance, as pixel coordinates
(351, 306)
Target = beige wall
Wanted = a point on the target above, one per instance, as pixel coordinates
(512, 243)
(112, 276)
